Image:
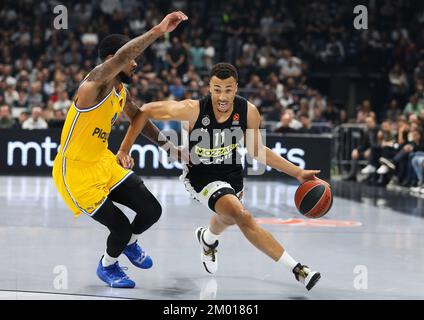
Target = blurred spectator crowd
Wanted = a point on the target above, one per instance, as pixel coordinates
(274, 45)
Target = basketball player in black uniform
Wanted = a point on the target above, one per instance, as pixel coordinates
(217, 124)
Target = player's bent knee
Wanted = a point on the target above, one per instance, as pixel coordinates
(145, 202)
(243, 217)
(155, 211)
(150, 212)
(237, 213)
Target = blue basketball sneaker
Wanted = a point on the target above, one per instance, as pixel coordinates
(137, 256)
(114, 276)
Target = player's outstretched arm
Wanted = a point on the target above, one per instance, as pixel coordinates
(108, 70)
(265, 155)
(132, 49)
(185, 110)
(140, 123)
(149, 130)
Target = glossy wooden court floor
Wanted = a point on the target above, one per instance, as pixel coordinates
(370, 246)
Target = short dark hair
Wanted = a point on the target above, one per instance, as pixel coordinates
(303, 115)
(223, 71)
(110, 44)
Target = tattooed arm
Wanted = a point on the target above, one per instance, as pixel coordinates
(139, 122)
(107, 71)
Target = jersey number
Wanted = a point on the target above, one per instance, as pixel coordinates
(219, 138)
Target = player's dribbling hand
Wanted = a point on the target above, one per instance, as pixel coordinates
(306, 175)
(310, 175)
(124, 160)
(171, 21)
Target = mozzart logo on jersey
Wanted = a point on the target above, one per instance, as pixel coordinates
(39, 154)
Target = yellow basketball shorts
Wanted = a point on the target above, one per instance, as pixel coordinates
(84, 186)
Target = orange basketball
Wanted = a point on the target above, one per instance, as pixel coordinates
(313, 198)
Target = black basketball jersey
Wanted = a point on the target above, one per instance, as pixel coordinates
(214, 153)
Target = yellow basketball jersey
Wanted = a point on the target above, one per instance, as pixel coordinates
(86, 131)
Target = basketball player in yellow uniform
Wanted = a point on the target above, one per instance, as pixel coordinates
(88, 176)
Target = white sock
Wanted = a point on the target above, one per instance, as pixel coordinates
(133, 239)
(108, 260)
(209, 237)
(288, 261)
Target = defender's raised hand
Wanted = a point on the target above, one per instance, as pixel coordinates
(171, 21)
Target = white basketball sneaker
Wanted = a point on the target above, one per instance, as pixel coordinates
(208, 253)
(305, 276)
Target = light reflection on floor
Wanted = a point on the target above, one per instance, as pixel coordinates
(41, 243)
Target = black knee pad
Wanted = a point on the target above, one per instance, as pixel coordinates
(156, 210)
(218, 194)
